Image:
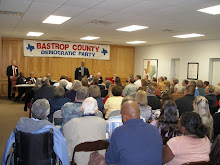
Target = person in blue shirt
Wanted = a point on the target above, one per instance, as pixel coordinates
(39, 124)
(135, 142)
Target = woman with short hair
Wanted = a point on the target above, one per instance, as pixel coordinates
(71, 94)
(94, 91)
(193, 146)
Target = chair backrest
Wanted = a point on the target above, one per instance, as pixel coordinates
(198, 163)
(34, 148)
(99, 114)
(114, 113)
(57, 118)
(90, 146)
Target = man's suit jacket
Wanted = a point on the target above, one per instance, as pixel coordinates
(100, 80)
(29, 79)
(21, 80)
(78, 71)
(185, 104)
(10, 71)
(46, 91)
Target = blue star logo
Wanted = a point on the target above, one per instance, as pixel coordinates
(30, 47)
(104, 51)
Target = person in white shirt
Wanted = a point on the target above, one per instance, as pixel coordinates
(138, 81)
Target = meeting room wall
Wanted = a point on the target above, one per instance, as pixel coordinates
(197, 51)
(121, 63)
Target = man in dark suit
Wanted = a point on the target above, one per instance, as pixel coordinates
(45, 91)
(81, 72)
(185, 103)
(21, 90)
(12, 71)
(31, 79)
(100, 78)
(153, 100)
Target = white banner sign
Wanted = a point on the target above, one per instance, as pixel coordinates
(34, 48)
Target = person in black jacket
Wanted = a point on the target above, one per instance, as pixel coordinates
(185, 103)
(21, 90)
(12, 71)
(31, 79)
(209, 91)
(81, 72)
(153, 100)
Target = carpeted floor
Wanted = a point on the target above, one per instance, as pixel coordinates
(10, 113)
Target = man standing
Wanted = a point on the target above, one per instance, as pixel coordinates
(81, 72)
(135, 142)
(12, 71)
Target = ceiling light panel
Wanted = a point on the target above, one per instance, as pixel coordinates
(189, 35)
(89, 38)
(132, 28)
(136, 42)
(36, 34)
(214, 10)
(54, 19)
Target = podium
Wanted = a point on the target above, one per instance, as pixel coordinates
(13, 85)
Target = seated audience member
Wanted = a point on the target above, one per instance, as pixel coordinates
(185, 103)
(118, 82)
(96, 82)
(99, 78)
(45, 91)
(50, 79)
(217, 94)
(63, 83)
(135, 142)
(184, 85)
(137, 81)
(113, 103)
(199, 85)
(173, 83)
(71, 94)
(109, 93)
(144, 83)
(205, 84)
(153, 101)
(216, 123)
(104, 93)
(177, 92)
(84, 129)
(145, 110)
(215, 151)
(39, 124)
(81, 95)
(94, 91)
(167, 123)
(201, 107)
(21, 90)
(157, 91)
(31, 79)
(193, 83)
(164, 98)
(166, 87)
(113, 78)
(85, 82)
(146, 77)
(57, 102)
(193, 146)
(130, 88)
(64, 78)
(153, 79)
(209, 91)
(160, 84)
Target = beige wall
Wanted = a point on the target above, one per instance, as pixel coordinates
(121, 62)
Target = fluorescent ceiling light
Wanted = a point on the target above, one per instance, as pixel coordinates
(89, 38)
(189, 35)
(132, 28)
(54, 19)
(136, 42)
(214, 10)
(36, 34)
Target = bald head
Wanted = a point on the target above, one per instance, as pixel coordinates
(130, 110)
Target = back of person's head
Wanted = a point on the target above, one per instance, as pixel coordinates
(59, 91)
(82, 93)
(44, 81)
(110, 90)
(141, 98)
(206, 83)
(175, 81)
(190, 90)
(130, 110)
(154, 79)
(138, 76)
(192, 122)
(151, 89)
(63, 83)
(217, 90)
(201, 106)
(63, 77)
(193, 83)
(144, 82)
(211, 89)
(84, 82)
(116, 90)
(178, 88)
(154, 84)
(95, 80)
(107, 84)
(161, 78)
(94, 91)
(89, 106)
(165, 97)
(127, 98)
(144, 88)
(40, 109)
(167, 83)
(118, 81)
(76, 85)
(199, 83)
(185, 82)
(70, 107)
(38, 82)
(132, 80)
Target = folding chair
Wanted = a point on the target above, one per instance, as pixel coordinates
(99, 114)
(114, 113)
(57, 118)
